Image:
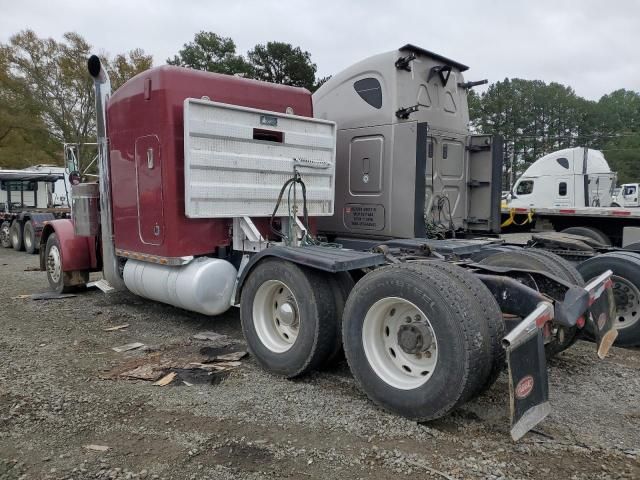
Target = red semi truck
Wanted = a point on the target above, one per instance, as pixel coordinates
(210, 192)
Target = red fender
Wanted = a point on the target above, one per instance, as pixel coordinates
(78, 253)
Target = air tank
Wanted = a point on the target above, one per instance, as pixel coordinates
(205, 285)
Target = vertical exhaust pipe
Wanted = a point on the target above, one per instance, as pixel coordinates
(102, 84)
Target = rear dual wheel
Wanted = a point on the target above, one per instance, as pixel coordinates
(17, 237)
(420, 338)
(29, 238)
(415, 340)
(289, 317)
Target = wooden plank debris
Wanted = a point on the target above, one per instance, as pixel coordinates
(166, 380)
(97, 448)
(127, 347)
(117, 327)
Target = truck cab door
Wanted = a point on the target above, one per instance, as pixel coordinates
(484, 183)
(563, 193)
(149, 185)
(630, 195)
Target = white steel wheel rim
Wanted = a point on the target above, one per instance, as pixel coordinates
(276, 316)
(15, 237)
(627, 314)
(394, 366)
(27, 241)
(4, 233)
(54, 264)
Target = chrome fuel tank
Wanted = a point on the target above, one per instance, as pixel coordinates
(204, 285)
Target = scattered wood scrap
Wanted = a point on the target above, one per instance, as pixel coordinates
(211, 336)
(44, 296)
(127, 347)
(97, 448)
(150, 372)
(51, 296)
(117, 327)
(229, 357)
(102, 285)
(166, 380)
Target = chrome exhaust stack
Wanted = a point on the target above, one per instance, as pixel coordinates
(102, 84)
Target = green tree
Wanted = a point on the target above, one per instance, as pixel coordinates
(126, 66)
(533, 117)
(213, 53)
(24, 139)
(279, 62)
(46, 81)
(623, 155)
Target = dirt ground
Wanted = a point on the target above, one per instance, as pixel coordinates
(61, 391)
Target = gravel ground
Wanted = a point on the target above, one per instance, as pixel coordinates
(60, 391)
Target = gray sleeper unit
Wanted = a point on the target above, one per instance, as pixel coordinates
(405, 156)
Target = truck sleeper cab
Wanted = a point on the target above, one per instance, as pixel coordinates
(251, 170)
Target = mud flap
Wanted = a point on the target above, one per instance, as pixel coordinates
(602, 311)
(528, 385)
(528, 380)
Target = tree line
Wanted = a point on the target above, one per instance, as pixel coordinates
(46, 98)
(536, 118)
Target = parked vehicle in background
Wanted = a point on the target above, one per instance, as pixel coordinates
(573, 177)
(28, 199)
(572, 191)
(626, 196)
(567, 200)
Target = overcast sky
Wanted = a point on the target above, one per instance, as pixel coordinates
(587, 44)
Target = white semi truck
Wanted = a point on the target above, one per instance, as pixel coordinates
(573, 177)
(626, 196)
(572, 191)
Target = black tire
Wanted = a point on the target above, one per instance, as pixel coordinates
(625, 265)
(341, 284)
(17, 238)
(525, 259)
(29, 238)
(571, 273)
(546, 262)
(590, 232)
(453, 378)
(614, 204)
(5, 234)
(55, 277)
(490, 317)
(316, 313)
